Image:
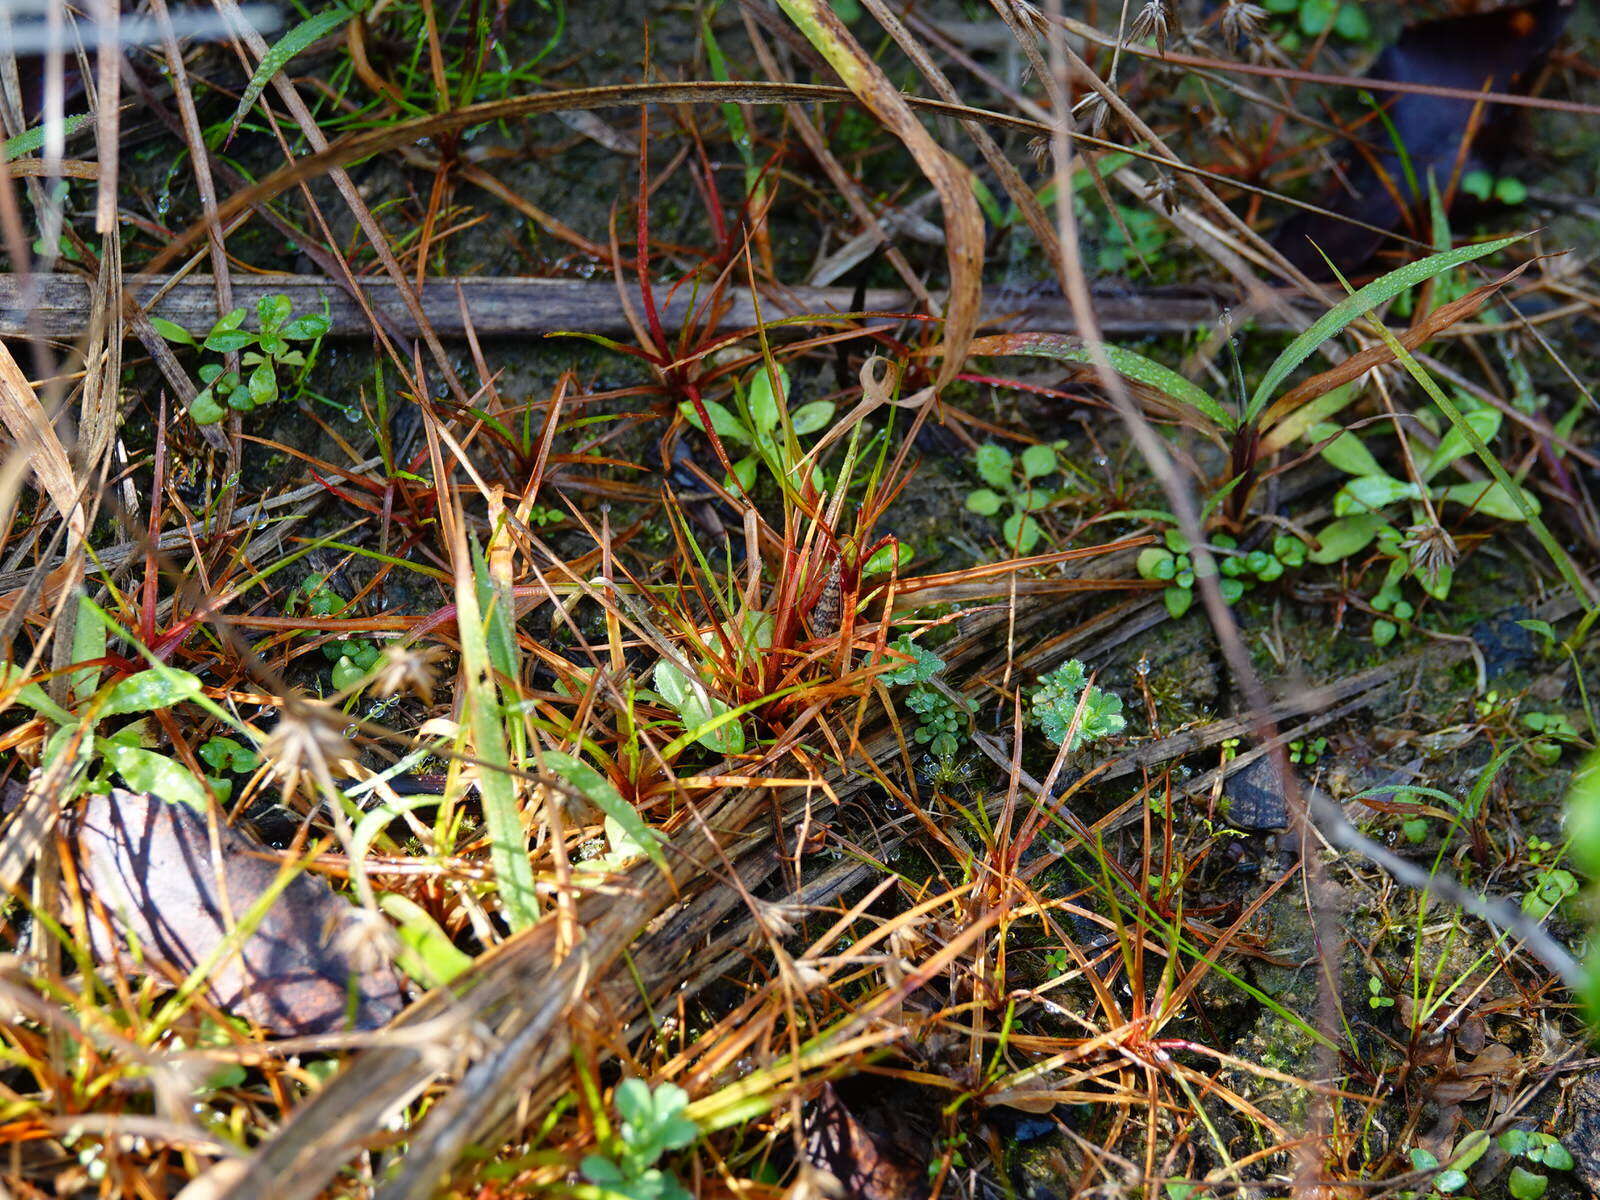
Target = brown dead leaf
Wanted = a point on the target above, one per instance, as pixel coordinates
(147, 866)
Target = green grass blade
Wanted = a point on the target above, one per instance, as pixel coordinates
(33, 139)
(287, 47)
(508, 837)
(603, 794)
(1126, 363)
(1563, 561)
(1379, 291)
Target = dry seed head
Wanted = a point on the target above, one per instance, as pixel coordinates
(408, 668)
(779, 920)
(1091, 111)
(366, 939)
(1241, 22)
(1430, 549)
(1152, 21)
(309, 737)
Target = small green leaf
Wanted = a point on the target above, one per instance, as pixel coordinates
(226, 340)
(263, 385)
(696, 706)
(809, 418)
(744, 475)
(146, 771)
(1511, 191)
(924, 666)
(1514, 1141)
(1477, 184)
(1557, 1157)
(1349, 535)
(1352, 23)
(1383, 632)
(1022, 533)
(983, 502)
(426, 952)
(885, 557)
(1038, 461)
(347, 673)
(173, 332)
(1525, 1185)
(1490, 499)
(1153, 561)
(1178, 600)
(1371, 494)
(1485, 422)
(1543, 628)
(727, 426)
(272, 312)
(225, 754)
(307, 328)
(994, 466)
(1346, 451)
(764, 404)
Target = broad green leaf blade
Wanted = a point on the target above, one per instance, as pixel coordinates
(726, 425)
(602, 793)
(697, 707)
(1346, 536)
(764, 403)
(994, 465)
(173, 332)
(1346, 451)
(147, 771)
(1370, 493)
(1485, 422)
(426, 952)
(1064, 348)
(286, 48)
(157, 687)
(1492, 499)
(1038, 461)
(88, 644)
(809, 418)
(1379, 291)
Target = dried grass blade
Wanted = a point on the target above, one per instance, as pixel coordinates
(33, 435)
(963, 218)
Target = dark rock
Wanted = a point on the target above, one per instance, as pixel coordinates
(1255, 797)
(1506, 646)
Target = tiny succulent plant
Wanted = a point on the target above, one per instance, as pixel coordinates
(653, 1122)
(1056, 707)
(942, 721)
(1173, 566)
